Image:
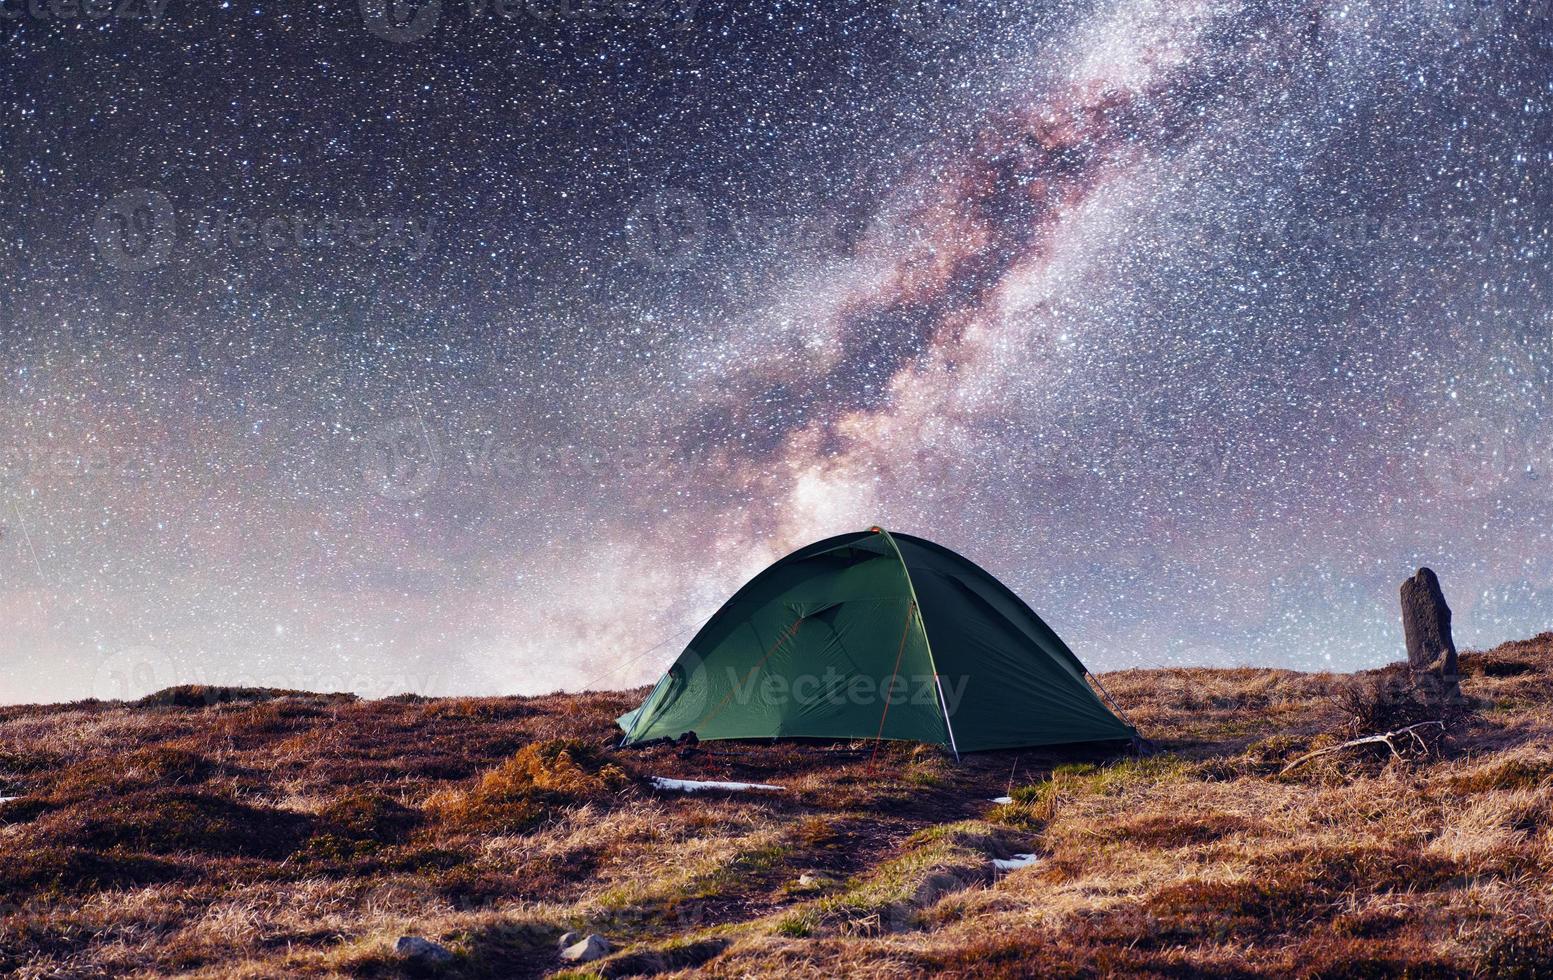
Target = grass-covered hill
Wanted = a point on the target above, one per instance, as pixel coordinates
(231, 833)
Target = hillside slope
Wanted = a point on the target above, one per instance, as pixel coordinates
(216, 833)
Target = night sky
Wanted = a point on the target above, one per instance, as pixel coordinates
(452, 348)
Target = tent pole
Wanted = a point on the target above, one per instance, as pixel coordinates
(1108, 697)
(927, 644)
(894, 672)
(945, 705)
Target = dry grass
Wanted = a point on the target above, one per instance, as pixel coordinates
(219, 832)
(529, 788)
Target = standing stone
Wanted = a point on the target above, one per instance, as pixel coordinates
(1426, 625)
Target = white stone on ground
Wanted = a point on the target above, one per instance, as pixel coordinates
(587, 950)
(422, 950)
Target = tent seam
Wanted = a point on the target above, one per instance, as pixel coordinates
(911, 589)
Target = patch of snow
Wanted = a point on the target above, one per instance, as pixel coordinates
(1017, 861)
(1002, 799)
(694, 785)
(7, 799)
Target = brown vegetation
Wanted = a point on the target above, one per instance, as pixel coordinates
(536, 783)
(219, 832)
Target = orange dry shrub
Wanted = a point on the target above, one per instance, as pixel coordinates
(528, 788)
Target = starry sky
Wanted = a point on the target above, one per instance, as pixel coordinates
(486, 347)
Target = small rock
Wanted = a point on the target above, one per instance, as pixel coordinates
(569, 939)
(935, 886)
(422, 950)
(587, 950)
(809, 880)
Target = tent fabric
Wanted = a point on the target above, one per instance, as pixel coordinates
(876, 635)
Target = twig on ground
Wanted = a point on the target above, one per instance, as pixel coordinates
(1382, 739)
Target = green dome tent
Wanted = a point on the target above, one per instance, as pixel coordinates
(877, 635)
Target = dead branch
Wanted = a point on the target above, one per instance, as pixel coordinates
(1383, 739)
